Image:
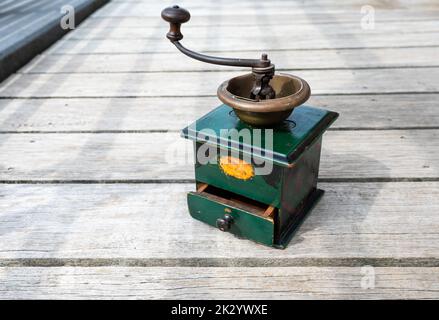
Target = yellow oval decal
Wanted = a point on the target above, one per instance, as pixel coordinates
(236, 168)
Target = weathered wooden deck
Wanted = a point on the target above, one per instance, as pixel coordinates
(28, 27)
(90, 206)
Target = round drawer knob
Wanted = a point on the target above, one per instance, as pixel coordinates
(225, 222)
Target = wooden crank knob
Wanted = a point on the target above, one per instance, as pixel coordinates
(175, 16)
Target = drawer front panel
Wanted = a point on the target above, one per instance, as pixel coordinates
(245, 224)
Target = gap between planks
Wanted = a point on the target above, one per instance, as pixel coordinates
(208, 95)
(243, 70)
(52, 53)
(200, 262)
(175, 131)
(191, 181)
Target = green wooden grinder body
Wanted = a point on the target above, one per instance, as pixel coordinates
(290, 187)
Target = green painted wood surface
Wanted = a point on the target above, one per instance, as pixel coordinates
(262, 188)
(245, 224)
(290, 138)
(297, 184)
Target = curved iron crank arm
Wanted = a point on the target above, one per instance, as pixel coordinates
(262, 69)
(235, 62)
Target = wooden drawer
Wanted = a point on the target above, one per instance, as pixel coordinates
(240, 216)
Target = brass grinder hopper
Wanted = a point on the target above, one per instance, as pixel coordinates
(261, 98)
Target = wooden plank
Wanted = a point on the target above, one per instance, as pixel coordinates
(227, 32)
(291, 60)
(144, 156)
(206, 83)
(296, 17)
(290, 41)
(272, 8)
(106, 114)
(355, 224)
(215, 283)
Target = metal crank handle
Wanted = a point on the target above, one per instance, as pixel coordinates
(176, 16)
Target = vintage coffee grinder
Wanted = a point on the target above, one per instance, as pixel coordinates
(256, 161)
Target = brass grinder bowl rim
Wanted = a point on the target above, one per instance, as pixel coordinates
(284, 103)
